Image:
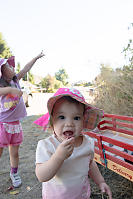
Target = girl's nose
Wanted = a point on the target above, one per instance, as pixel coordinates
(69, 122)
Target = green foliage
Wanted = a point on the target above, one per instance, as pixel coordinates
(18, 67)
(30, 77)
(86, 84)
(83, 83)
(4, 49)
(50, 83)
(25, 77)
(62, 76)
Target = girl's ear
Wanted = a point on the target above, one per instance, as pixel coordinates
(55, 134)
(51, 122)
(4, 83)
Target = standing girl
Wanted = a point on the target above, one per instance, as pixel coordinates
(12, 110)
(65, 159)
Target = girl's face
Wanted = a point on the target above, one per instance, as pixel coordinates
(67, 119)
(8, 72)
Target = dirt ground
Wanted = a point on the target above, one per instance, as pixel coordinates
(31, 188)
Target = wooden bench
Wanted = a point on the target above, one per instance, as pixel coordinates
(115, 134)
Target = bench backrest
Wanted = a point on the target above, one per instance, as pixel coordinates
(113, 157)
(118, 123)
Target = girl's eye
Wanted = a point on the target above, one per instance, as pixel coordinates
(61, 117)
(77, 118)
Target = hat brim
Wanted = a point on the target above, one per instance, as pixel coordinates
(52, 101)
(92, 115)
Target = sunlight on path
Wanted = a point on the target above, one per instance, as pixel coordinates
(38, 104)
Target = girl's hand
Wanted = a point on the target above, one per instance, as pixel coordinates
(105, 189)
(40, 55)
(65, 149)
(16, 92)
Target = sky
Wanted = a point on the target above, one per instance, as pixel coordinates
(77, 35)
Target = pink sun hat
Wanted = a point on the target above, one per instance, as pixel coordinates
(10, 61)
(92, 114)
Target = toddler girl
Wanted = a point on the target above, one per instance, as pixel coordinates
(65, 159)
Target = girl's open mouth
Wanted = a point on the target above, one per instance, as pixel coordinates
(68, 134)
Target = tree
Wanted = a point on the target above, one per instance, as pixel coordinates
(128, 50)
(4, 49)
(83, 83)
(30, 77)
(114, 88)
(51, 84)
(62, 76)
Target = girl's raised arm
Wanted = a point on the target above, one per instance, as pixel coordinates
(29, 65)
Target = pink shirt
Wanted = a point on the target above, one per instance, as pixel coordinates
(71, 181)
(12, 108)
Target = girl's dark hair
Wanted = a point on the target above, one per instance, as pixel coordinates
(70, 99)
(4, 83)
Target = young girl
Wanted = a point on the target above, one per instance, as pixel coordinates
(65, 159)
(12, 110)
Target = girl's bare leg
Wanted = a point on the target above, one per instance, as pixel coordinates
(14, 156)
(1, 151)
